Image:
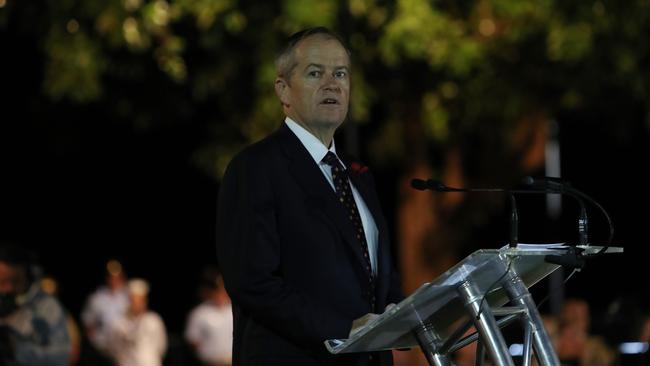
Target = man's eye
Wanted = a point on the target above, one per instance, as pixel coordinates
(315, 73)
(341, 74)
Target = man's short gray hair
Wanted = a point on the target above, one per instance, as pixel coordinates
(284, 61)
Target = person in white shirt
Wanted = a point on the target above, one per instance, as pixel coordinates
(105, 305)
(209, 326)
(139, 337)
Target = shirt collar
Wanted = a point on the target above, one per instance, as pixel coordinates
(313, 145)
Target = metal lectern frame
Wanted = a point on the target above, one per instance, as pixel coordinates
(437, 316)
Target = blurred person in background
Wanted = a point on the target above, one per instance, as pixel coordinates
(574, 330)
(106, 304)
(138, 337)
(209, 325)
(32, 323)
(50, 286)
(576, 346)
(598, 353)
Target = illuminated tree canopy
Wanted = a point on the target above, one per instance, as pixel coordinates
(441, 67)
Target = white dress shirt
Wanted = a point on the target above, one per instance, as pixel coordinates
(103, 307)
(318, 151)
(138, 341)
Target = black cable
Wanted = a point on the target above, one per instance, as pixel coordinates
(565, 187)
(604, 212)
(480, 305)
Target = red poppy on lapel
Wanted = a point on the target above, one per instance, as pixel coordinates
(357, 168)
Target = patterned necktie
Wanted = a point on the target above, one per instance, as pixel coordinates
(344, 194)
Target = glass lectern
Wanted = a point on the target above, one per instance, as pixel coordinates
(474, 292)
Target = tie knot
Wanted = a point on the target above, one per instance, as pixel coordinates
(331, 159)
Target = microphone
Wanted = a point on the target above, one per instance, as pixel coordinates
(572, 259)
(557, 185)
(438, 186)
(514, 222)
(420, 184)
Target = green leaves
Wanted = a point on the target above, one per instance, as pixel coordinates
(74, 67)
(438, 67)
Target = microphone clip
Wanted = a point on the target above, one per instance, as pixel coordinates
(572, 259)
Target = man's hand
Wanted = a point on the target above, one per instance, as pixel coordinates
(359, 323)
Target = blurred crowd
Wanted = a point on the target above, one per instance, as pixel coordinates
(116, 326)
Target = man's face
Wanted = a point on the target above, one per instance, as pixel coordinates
(138, 303)
(316, 93)
(115, 281)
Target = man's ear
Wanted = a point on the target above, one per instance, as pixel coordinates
(282, 91)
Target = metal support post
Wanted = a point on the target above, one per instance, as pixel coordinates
(519, 295)
(486, 325)
(429, 341)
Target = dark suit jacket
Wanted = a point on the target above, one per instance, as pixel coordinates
(289, 257)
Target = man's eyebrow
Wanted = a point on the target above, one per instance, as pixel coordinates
(315, 65)
(323, 66)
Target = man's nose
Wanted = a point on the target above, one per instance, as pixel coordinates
(331, 83)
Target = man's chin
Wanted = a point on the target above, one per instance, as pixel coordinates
(331, 122)
(331, 119)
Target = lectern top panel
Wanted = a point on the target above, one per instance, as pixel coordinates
(437, 304)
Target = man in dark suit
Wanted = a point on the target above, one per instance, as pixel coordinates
(303, 245)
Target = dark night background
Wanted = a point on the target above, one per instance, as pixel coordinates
(80, 189)
(81, 184)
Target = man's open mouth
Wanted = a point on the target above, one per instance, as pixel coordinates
(329, 101)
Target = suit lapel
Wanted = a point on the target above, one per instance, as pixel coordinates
(320, 194)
